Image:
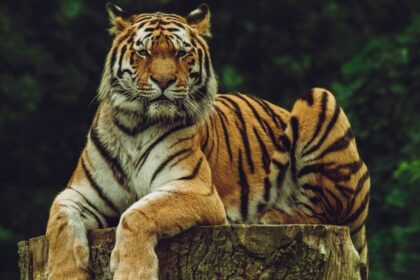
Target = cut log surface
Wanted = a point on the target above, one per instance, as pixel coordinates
(226, 252)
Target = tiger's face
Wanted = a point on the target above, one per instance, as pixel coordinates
(159, 66)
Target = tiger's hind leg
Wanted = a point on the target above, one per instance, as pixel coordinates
(316, 173)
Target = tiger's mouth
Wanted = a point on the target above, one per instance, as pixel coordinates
(162, 100)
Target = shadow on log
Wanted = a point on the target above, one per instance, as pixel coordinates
(226, 252)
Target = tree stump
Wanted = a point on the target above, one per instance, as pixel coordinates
(226, 252)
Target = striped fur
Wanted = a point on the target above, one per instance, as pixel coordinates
(165, 153)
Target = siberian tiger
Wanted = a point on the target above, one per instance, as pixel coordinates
(165, 153)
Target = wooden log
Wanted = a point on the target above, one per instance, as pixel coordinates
(226, 252)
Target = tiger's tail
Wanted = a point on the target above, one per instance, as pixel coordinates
(317, 171)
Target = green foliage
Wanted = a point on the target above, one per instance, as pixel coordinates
(71, 8)
(367, 52)
(231, 79)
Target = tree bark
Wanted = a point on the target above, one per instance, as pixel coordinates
(226, 252)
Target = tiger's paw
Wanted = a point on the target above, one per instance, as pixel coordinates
(134, 265)
(75, 275)
(71, 266)
(68, 259)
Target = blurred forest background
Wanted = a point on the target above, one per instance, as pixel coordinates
(367, 52)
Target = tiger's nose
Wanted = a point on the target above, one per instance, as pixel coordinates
(163, 82)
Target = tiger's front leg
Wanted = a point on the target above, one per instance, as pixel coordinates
(174, 207)
(68, 251)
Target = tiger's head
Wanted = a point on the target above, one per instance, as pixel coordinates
(159, 66)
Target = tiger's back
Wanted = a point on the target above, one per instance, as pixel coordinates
(272, 166)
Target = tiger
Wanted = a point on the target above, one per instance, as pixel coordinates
(166, 152)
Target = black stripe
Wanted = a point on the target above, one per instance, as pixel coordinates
(295, 130)
(243, 182)
(322, 198)
(218, 138)
(180, 140)
(179, 24)
(90, 204)
(308, 97)
(266, 129)
(256, 114)
(120, 72)
(313, 168)
(200, 61)
(265, 157)
(130, 131)
(181, 159)
(194, 75)
(340, 144)
(329, 211)
(112, 161)
(210, 151)
(144, 18)
(221, 113)
(269, 111)
(144, 156)
(282, 169)
(338, 209)
(174, 19)
(352, 167)
(243, 132)
(224, 102)
(358, 188)
(359, 210)
(206, 140)
(115, 50)
(361, 182)
(358, 229)
(171, 29)
(321, 118)
(200, 93)
(215, 138)
(206, 55)
(177, 36)
(150, 29)
(284, 144)
(344, 190)
(142, 22)
(166, 162)
(132, 57)
(113, 58)
(312, 210)
(147, 36)
(336, 174)
(88, 211)
(326, 132)
(273, 137)
(267, 187)
(98, 189)
(225, 132)
(154, 21)
(83, 209)
(194, 172)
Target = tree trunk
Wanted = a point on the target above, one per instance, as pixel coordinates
(226, 252)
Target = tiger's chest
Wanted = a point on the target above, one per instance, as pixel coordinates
(133, 167)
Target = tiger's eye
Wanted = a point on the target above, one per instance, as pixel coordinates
(143, 52)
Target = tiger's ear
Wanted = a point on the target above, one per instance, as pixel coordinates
(118, 18)
(199, 19)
